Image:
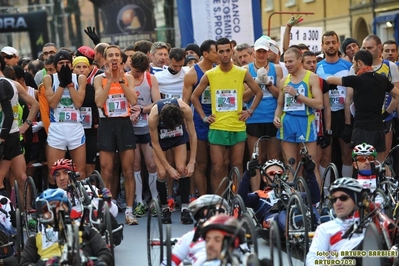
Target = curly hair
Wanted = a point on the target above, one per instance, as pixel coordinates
(171, 116)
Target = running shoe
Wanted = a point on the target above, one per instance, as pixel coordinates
(131, 219)
(166, 216)
(186, 217)
(139, 211)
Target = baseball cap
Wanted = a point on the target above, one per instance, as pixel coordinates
(9, 50)
(189, 58)
(262, 43)
(87, 52)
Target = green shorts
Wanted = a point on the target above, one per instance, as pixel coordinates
(226, 138)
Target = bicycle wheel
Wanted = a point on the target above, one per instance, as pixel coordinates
(296, 230)
(302, 187)
(168, 240)
(155, 241)
(379, 197)
(29, 206)
(17, 199)
(250, 232)
(275, 245)
(96, 178)
(108, 230)
(372, 241)
(19, 238)
(237, 207)
(329, 176)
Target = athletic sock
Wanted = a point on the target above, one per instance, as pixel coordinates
(152, 183)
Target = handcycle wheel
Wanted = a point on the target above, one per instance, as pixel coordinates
(275, 245)
(19, 238)
(372, 241)
(379, 197)
(29, 206)
(250, 232)
(17, 199)
(302, 186)
(96, 178)
(108, 230)
(296, 230)
(168, 240)
(329, 176)
(233, 181)
(155, 241)
(237, 207)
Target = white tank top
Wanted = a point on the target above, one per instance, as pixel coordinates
(143, 91)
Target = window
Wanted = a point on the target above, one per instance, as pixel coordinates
(290, 3)
(269, 5)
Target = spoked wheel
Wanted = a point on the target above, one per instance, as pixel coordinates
(296, 230)
(372, 241)
(275, 245)
(108, 230)
(155, 240)
(29, 205)
(237, 207)
(168, 240)
(328, 177)
(379, 197)
(17, 198)
(96, 179)
(19, 238)
(302, 187)
(233, 181)
(250, 232)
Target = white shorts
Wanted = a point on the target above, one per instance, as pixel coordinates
(65, 136)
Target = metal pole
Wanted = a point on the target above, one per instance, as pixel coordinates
(285, 13)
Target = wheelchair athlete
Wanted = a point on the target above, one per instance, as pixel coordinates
(7, 231)
(191, 246)
(265, 204)
(45, 249)
(60, 172)
(345, 193)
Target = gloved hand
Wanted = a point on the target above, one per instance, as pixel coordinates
(324, 141)
(252, 166)
(65, 76)
(262, 76)
(347, 133)
(294, 21)
(308, 164)
(106, 195)
(91, 32)
(37, 126)
(13, 218)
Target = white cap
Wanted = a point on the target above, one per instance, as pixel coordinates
(9, 50)
(274, 47)
(262, 43)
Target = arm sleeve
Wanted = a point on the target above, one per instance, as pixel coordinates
(6, 95)
(30, 256)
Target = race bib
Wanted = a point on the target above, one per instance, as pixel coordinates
(68, 115)
(290, 104)
(49, 237)
(266, 92)
(206, 96)
(337, 99)
(86, 116)
(167, 133)
(117, 106)
(226, 100)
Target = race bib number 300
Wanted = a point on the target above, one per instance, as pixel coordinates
(226, 100)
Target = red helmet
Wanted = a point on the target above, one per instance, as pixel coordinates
(227, 225)
(64, 164)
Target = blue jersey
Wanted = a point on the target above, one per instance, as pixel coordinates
(337, 69)
(267, 106)
(205, 98)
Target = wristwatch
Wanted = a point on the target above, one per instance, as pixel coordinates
(250, 111)
(328, 132)
(296, 95)
(121, 81)
(28, 122)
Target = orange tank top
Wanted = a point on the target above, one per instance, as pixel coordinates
(116, 104)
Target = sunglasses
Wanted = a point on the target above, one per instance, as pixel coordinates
(9, 56)
(341, 198)
(362, 159)
(273, 173)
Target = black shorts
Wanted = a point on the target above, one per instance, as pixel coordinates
(12, 147)
(388, 125)
(337, 123)
(372, 137)
(115, 134)
(142, 139)
(259, 130)
(91, 146)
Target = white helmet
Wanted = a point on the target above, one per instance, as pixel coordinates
(346, 183)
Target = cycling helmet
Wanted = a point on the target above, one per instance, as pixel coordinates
(228, 225)
(364, 149)
(273, 162)
(62, 164)
(206, 201)
(54, 194)
(346, 183)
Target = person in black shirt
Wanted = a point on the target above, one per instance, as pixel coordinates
(367, 93)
